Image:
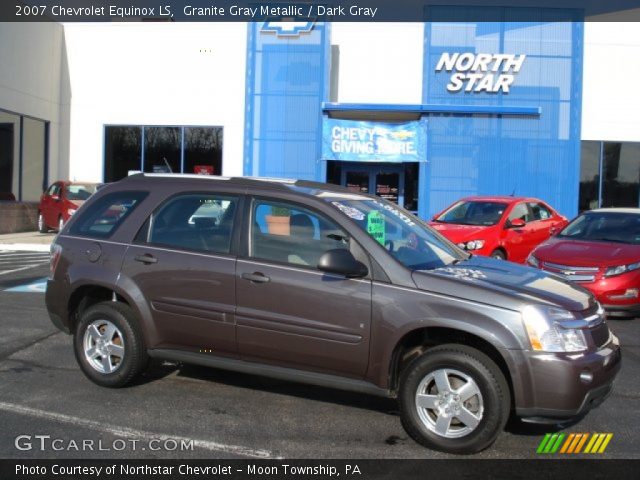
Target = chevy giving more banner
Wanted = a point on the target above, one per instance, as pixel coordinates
(374, 141)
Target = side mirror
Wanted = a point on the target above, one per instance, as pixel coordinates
(342, 262)
(516, 223)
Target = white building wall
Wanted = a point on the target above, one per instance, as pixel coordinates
(610, 103)
(30, 77)
(379, 62)
(154, 74)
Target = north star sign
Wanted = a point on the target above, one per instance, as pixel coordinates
(480, 72)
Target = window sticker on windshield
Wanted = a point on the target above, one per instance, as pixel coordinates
(397, 213)
(375, 226)
(349, 211)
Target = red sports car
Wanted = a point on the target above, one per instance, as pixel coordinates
(599, 250)
(507, 228)
(60, 201)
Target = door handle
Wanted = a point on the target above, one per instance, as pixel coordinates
(256, 277)
(146, 259)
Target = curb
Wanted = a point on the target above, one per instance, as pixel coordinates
(24, 247)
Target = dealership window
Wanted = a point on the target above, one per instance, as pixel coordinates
(620, 174)
(161, 149)
(589, 176)
(23, 157)
(609, 175)
(202, 150)
(122, 151)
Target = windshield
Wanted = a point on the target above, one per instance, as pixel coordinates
(78, 191)
(473, 213)
(405, 237)
(605, 227)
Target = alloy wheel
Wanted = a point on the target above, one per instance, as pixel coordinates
(104, 347)
(449, 403)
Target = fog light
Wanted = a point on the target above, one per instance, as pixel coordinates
(586, 377)
(630, 293)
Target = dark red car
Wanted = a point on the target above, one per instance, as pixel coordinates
(599, 250)
(503, 227)
(60, 201)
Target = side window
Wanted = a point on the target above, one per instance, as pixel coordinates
(103, 217)
(539, 211)
(520, 211)
(195, 221)
(289, 233)
(54, 189)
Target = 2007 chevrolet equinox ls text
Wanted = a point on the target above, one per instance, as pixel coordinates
(314, 283)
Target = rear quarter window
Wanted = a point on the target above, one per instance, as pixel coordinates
(103, 217)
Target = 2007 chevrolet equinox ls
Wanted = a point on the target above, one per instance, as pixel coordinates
(314, 283)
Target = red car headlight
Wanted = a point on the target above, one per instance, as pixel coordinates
(620, 269)
(533, 261)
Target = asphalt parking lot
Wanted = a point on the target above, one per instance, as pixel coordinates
(222, 414)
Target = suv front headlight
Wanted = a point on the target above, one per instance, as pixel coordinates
(546, 332)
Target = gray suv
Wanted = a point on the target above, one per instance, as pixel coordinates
(313, 283)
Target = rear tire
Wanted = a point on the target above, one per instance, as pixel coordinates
(42, 226)
(454, 399)
(109, 346)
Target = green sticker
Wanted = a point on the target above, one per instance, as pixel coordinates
(375, 226)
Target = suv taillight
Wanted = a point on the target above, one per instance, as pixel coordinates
(54, 258)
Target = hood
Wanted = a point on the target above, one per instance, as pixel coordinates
(504, 284)
(461, 233)
(582, 253)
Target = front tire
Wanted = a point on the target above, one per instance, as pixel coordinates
(454, 399)
(498, 254)
(108, 344)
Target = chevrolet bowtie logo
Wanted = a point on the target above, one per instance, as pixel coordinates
(287, 29)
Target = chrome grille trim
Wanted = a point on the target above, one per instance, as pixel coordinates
(579, 278)
(571, 268)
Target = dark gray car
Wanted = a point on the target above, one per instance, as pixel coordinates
(310, 282)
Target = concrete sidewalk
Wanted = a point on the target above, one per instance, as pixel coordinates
(26, 241)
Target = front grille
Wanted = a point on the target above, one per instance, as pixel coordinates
(571, 272)
(600, 334)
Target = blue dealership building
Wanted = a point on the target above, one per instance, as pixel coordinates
(468, 135)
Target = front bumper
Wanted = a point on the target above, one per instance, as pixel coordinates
(559, 393)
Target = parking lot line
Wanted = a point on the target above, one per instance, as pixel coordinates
(5, 272)
(11, 262)
(126, 432)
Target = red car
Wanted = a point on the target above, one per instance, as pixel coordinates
(506, 228)
(599, 250)
(60, 201)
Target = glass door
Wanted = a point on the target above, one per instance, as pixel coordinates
(387, 186)
(386, 181)
(357, 181)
